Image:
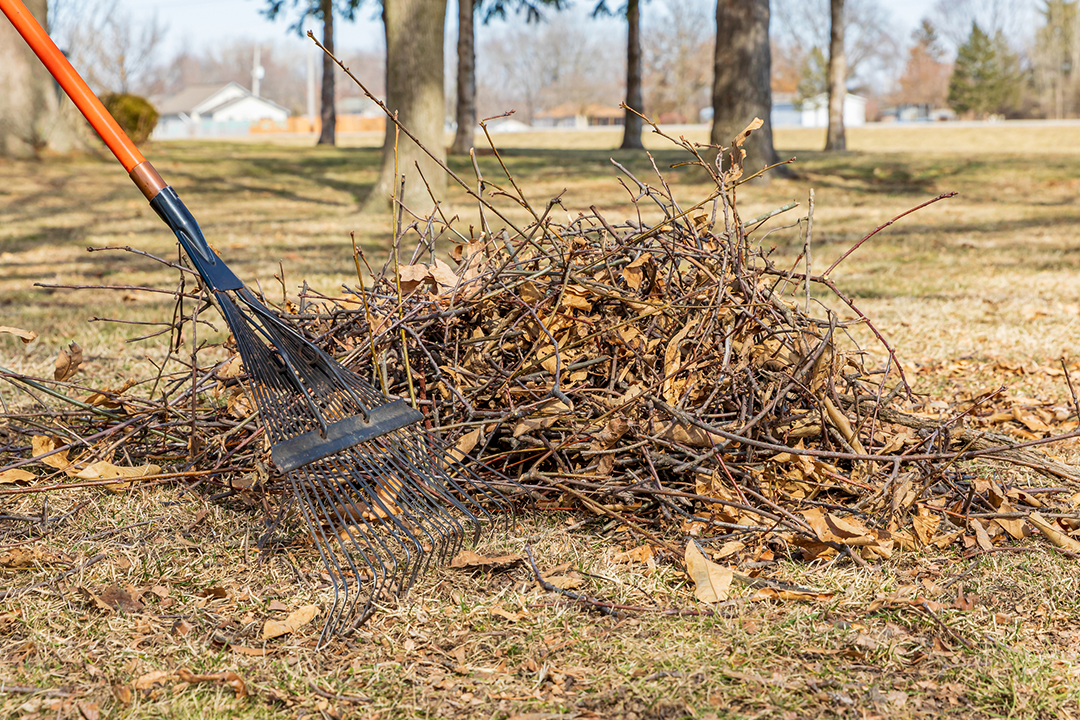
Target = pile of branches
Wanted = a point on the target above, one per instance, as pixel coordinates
(661, 372)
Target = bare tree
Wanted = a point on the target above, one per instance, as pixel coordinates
(677, 74)
(414, 90)
(33, 114)
(465, 108)
(871, 49)
(954, 18)
(113, 51)
(558, 63)
(926, 76)
(632, 122)
(741, 69)
(835, 138)
(322, 10)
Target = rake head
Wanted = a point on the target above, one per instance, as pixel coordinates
(381, 500)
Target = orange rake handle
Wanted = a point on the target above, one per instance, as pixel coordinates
(84, 98)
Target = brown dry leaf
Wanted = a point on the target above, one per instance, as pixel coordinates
(41, 444)
(27, 336)
(569, 581)
(95, 600)
(104, 470)
(1053, 533)
(89, 710)
(673, 363)
(925, 524)
(1013, 526)
(841, 423)
(444, 275)
(712, 582)
(228, 677)
(67, 364)
(634, 273)
(412, 276)
(543, 418)
(468, 560)
(231, 368)
(27, 556)
(120, 599)
(728, 549)
(295, 620)
(152, 678)
(503, 613)
(771, 593)
(981, 536)
(642, 553)
(243, 650)
(104, 398)
(17, 476)
(465, 444)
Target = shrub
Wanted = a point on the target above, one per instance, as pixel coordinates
(134, 114)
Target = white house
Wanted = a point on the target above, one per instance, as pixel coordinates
(214, 110)
(815, 111)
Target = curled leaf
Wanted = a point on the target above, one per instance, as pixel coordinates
(295, 620)
(68, 363)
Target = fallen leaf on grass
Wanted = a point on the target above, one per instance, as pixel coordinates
(89, 710)
(152, 678)
(295, 620)
(228, 677)
(18, 476)
(642, 553)
(566, 582)
(711, 581)
(41, 444)
(468, 560)
(25, 557)
(27, 336)
(771, 593)
(1053, 534)
(67, 364)
(104, 470)
(253, 652)
(112, 598)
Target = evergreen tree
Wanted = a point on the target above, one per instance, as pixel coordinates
(986, 77)
(813, 75)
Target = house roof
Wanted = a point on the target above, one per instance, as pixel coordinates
(195, 96)
(190, 98)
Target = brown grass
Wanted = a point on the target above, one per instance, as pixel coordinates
(974, 291)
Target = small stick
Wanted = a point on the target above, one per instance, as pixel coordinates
(1076, 405)
(806, 247)
(605, 608)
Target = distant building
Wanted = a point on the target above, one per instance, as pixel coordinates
(814, 111)
(570, 115)
(215, 111)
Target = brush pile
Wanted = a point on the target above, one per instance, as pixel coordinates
(661, 373)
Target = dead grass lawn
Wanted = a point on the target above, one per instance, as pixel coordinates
(975, 291)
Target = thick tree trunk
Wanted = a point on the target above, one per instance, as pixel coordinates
(414, 89)
(466, 79)
(34, 114)
(834, 138)
(741, 76)
(328, 114)
(632, 125)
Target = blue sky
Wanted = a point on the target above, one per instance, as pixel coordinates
(198, 22)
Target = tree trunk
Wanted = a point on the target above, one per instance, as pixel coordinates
(741, 75)
(34, 113)
(632, 125)
(414, 89)
(834, 137)
(466, 79)
(328, 115)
